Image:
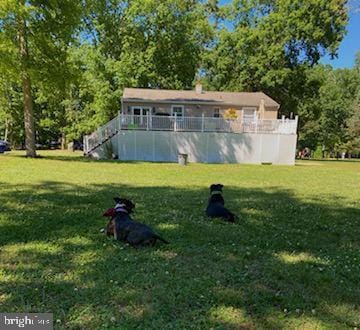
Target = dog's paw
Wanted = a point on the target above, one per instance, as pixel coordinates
(102, 230)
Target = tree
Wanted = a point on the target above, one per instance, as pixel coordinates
(353, 131)
(338, 96)
(157, 44)
(11, 112)
(34, 36)
(272, 44)
(148, 44)
(324, 117)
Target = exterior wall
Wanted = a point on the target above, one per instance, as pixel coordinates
(203, 147)
(270, 113)
(191, 110)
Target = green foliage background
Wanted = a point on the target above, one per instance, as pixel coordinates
(83, 54)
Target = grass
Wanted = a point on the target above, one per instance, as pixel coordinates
(292, 261)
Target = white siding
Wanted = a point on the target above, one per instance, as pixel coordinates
(204, 147)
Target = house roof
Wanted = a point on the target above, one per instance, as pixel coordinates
(191, 96)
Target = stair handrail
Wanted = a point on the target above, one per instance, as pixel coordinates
(102, 134)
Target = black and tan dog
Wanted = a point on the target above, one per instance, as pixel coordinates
(125, 229)
(216, 208)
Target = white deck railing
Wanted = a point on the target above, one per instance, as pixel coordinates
(187, 124)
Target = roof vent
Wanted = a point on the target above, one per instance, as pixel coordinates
(198, 88)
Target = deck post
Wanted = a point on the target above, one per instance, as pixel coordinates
(147, 120)
(296, 123)
(202, 122)
(175, 123)
(283, 125)
(119, 122)
(85, 144)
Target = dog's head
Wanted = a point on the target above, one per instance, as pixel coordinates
(127, 204)
(216, 187)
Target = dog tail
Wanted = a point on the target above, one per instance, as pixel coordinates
(161, 239)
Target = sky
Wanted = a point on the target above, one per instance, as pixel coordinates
(349, 46)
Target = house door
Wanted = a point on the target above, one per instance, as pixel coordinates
(249, 114)
(139, 114)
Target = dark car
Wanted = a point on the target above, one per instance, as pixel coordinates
(54, 145)
(4, 146)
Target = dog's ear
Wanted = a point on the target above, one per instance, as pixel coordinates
(220, 185)
(109, 212)
(117, 199)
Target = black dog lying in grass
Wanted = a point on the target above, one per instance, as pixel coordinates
(123, 228)
(216, 208)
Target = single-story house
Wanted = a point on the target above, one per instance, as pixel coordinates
(209, 127)
(195, 103)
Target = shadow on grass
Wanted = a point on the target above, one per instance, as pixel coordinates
(77, 157)
(346, 160)
(282, 254)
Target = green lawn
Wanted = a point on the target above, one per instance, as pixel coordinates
(292, 260)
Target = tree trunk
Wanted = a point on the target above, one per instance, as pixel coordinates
(63, 141)
(6, 129)
(26, 87)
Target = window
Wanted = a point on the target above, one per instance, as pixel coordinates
(177, 110)
(216, 113)
(249, 114)
(136, 111)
